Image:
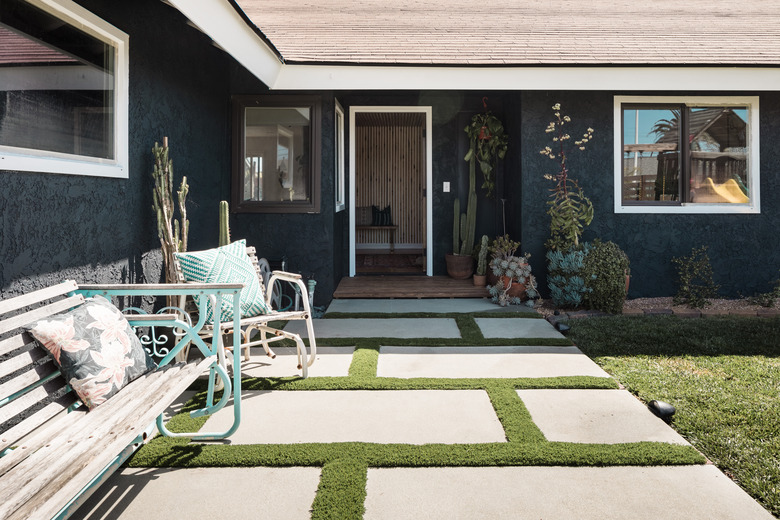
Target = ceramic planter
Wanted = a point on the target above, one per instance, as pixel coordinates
(459, 267)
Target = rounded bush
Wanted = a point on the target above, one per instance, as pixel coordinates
(604, 271)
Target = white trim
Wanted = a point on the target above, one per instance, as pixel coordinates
(754, 206)
(372, 77)
(340, 170)
(220, 21)
(428, 111)
(30, 160)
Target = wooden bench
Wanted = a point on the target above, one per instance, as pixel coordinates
(53, 452)
(392, 230)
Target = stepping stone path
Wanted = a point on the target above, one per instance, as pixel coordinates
(433, 416)
(485, 362)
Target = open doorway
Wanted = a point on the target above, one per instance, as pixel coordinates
(390, 177)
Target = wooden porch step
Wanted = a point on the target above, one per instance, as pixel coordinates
(407, 287)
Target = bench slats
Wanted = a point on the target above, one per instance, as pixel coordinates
(51, 475)
(30, 398)
(41, 312)
(21, 360)
(24, 300)
(27, 378)
(12, 436)
(13, 343)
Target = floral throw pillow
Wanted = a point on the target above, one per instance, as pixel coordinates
(95, 347)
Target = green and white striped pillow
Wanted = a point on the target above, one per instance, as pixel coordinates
(226, 264)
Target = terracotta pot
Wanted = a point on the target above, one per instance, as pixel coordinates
(480, 280)
(517, 290)
(460, 267)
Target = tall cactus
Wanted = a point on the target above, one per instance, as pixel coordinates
(482, 257)
(224, 227)
(171, 231)
(465, 224)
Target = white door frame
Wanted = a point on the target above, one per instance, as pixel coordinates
(428, 111)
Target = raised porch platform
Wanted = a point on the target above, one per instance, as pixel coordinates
(407, 287)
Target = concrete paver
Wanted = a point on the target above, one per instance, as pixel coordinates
(379, 328)
(391, 416)
(146, 493)
(442, 305)
(595, 416)
(517, 328)
(639, 493)
(330, 362)
(485, 362)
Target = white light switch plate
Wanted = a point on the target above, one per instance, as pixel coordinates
(446, 187)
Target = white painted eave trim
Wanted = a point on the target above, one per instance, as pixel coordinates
(617, 78)
(220, 21)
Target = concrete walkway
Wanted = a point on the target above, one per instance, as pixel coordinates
(435, 416)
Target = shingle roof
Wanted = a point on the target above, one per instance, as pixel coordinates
(521, 32)
(16, 49)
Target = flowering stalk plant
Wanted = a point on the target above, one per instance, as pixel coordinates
(570, 210)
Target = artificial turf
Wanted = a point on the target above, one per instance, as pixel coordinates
(341, 491)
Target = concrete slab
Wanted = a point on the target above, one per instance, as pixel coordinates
(517, 328)
(639, 493)
(393, 416)
(595, 416)
(142, 494)
(379, 328)
(441, 305)
(488, 362)
(330, 362)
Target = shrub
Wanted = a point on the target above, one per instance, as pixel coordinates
(694, 277)
(564, 278)
(604, 270)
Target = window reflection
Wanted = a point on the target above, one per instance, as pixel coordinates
(714, 170)
(56, 85)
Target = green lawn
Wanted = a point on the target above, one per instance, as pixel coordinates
(723, 376)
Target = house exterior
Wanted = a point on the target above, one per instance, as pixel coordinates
(273, 105)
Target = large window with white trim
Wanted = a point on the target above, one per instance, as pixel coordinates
(694, 155)
(63, 90)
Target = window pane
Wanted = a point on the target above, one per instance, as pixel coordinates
(276, 157)
(56, 85)
(651, 154)
(718, 155)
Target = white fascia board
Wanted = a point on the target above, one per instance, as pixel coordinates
(220, 21)
(617, 78)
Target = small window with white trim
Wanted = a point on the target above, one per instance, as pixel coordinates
(686, 155)
(340, 176)
(63, 90)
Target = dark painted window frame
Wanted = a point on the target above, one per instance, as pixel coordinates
(239, 106)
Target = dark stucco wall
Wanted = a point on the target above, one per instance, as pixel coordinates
(741, 247)
(103, 230)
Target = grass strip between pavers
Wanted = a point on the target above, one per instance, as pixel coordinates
(342, 490)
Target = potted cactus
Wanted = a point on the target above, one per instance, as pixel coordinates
(480, 278)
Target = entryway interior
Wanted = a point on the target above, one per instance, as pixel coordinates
(390, 180)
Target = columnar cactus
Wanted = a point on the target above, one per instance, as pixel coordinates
(224, 228)
(482, 258)
(172, 232)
